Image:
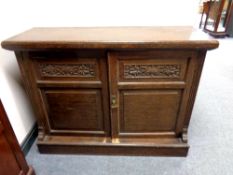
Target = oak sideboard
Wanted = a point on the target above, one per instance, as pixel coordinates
(112, 90)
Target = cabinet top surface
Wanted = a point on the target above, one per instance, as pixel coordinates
(110, 37)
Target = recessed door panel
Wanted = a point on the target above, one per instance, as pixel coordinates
(75, 109)
(148, 110)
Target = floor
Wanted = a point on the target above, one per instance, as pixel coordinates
(210, 134)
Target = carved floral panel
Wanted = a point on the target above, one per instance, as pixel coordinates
(67, 70)
(152, 71)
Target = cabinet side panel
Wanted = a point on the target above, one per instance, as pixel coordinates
(195, 85)
(31, 89)
(192, 79)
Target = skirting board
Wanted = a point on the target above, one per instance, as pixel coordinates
(29, 140)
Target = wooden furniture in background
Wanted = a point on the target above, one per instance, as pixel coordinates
(110, 90)
(218, 17)
(229, 30)
(12, 161)
(205, 10)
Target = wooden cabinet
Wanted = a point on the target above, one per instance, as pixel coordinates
(11, 157)
(123, 90)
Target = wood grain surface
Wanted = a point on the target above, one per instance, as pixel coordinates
(109, 37)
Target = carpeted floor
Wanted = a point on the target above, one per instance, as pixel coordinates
(210, 135)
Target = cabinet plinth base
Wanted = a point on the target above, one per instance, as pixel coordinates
(106, 146)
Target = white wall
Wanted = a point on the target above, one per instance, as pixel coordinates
(19, 15)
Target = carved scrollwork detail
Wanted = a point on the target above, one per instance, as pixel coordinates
(151, 71)
(67, 70)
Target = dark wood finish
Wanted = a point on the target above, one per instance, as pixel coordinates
(72, 90)
(230, 22)
(109, 146)
(74, 109)
(161, 108)
(12, 158)
(123, 91)
(160, 111)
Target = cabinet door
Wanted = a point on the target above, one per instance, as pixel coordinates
(146, 92)
(73, 92)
